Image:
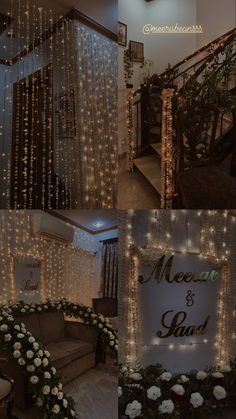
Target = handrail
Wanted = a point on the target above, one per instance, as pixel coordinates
(229, 37)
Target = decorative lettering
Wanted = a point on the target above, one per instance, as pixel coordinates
(177, 329)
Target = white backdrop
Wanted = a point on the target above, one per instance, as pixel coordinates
(155, 299)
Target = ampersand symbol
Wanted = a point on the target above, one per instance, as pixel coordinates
(189, 298)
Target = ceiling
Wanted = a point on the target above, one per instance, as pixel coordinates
(93, 221)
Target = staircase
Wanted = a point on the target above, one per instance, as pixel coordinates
(204, 127)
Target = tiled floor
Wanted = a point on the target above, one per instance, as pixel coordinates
(134, 191)
(95, 395)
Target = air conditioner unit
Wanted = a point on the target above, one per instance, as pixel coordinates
(52, 228)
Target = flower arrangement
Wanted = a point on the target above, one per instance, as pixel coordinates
(152, 392)
(20, 345)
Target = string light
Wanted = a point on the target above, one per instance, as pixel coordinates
(66, 270)
(167, 150)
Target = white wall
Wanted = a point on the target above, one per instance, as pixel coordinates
(217, 17)
(103, 11)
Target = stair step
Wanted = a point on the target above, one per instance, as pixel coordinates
(150, 167)
(157, 148)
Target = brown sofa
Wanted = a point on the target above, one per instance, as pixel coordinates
(72, 346)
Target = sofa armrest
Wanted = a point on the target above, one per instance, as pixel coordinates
(81, 331)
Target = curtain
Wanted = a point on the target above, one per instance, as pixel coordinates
(109, 273)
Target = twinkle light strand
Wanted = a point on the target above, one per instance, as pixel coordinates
(167, 150)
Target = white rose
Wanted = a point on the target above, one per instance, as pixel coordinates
(21, 361)
(136, 376)
(60, 386)
(47, 354)
(45, 362)
(153, 393)
(116, 347)
(39, 309)
(105, 330)
(7, 337)
(196, 400)
(217, 374)
(54, 391)
(16, 354)
(112, 343)
(167, 406)
(183, 379)
(72, 412)
(17, 327)
(225, 368)
(46, 390)
(37, 362)
(30, 368)
(166, 376)
(201, 375)
(34, 379)
(31, 310)
(46, 307)
(60, 395)
(100, 326)
(10, 319)
(47, 375)
(89, 310)
(120, 392)
(133, 410)
(20, 335)
(23, 310)
(53, 370)
(56, 408)
(29, 354)
(65, 403)
(178, 389)
(4, 327)
(219, 393)
(31, 339)
(35, 346)
(40, 353)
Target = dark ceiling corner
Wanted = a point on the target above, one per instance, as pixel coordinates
(5, 21)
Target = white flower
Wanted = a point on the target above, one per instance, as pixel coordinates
(166, 376)
(35, 346)
(183, 379)
(72, 412)
(167, 406)
(23, 310)
(217, 374)
(31, 339)
(17, 354)
(37, 362)
(17, 327)
(112, 343)
(20, 335)
(10, 319)
(153, 393)
(29, 354)
(39, 309)
(30, 368)
(60, 386)
(4, 327)
(46, 390)
(116, 347)
(53, 370)
(133, 410)
(105, 330)
(196, 400)
(31, 310)
(219, 393)
(225, 368)
(60, 395)
(135, 376)
(45, 306)
(120, 392)
(54, 391)
(201, 375)
(47, 375)
(34, 379)
(7, 337)
(56, 408)
(89, 310)
(65, 403)
(95, 321)
(21, 361)
(178, 389)
(39, 402)
(40, 353)
(47, 354)
(100, 326)
(45, 362)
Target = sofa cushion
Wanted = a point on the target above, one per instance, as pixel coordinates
(66, 350)
(5, 388)
(31, 322)
(52, 326)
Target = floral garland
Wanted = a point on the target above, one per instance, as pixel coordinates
(152, 392)
(20, 345)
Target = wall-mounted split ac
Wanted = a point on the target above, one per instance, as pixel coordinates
(51, 228)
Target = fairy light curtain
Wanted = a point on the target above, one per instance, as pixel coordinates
(58, 117)
(67, 271)
(215, 241)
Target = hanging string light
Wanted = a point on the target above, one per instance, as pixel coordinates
(167, 150)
